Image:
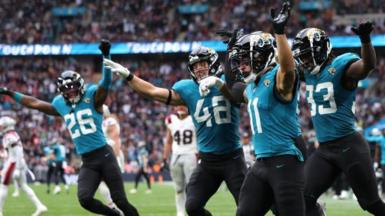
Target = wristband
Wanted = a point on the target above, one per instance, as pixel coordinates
(130, 77)
(17, 96)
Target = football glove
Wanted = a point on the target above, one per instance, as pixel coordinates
(117, 68)
(105, 47)
(230, 38)
(164, 166)
(279, 22)
(207, 83)
(363, 31)
(4, 90)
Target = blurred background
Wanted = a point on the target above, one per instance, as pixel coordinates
(39, 39)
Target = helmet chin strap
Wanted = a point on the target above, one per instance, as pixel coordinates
(251, 78)
(315, 70)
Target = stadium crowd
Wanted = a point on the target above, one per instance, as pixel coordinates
(140, 120)
(159, 20)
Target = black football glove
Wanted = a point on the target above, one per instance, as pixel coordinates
(4, 90)
(230, 38)
(279, 22)
(164, 166)
(363, 31)
(105, 47)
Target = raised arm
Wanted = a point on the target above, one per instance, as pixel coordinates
(143, 87)
(285, 80)
(104, 84)
(360, 69)
(30, 102)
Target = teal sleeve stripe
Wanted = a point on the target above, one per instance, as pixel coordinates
(107, 76)
(17, 96)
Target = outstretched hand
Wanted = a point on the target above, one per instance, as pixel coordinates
(279, 22)
(4, 90)
(363, 30)
(116, 68)
(105, 47)
(230, 38)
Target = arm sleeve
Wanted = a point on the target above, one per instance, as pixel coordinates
(106, 77)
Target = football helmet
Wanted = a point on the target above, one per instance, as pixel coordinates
(203, 54)
(256, 49)
(71, 86)
(311, 49)
(6, 124)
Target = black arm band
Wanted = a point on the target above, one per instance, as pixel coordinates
(130, 77)
(169, 97)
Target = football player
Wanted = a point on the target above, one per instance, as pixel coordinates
(111, 130)
(142, 159)
(51, 166)
(81, 107)
(216, 120)
(181, 142)
(59, 156)
(15, 166)
(271, 95)
(331, 83)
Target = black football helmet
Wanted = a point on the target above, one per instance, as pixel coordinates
(311, 49)
(71, 86)
(204, 54)
(256, 49)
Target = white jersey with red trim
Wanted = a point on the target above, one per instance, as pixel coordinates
(11, 141)
(183, 134)
(107, 122)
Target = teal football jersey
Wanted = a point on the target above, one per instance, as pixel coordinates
(47, 152)
(60, 153)
(215, 118)
(142, 156)
(274, 124)
(83, 122)
(331, 106)
(382, 146)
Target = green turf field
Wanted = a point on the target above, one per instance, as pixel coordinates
(159, 203)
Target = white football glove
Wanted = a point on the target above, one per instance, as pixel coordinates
(207, 83)
(116, 68)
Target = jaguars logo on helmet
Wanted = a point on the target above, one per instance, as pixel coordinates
(258, 50)
(203, 53)
(311, 48)
(71, 86)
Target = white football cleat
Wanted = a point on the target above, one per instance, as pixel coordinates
(57, 190)
(15, 194)
(148, 191)
(40, 210)
(133, 190)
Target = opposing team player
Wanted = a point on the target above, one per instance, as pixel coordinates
(331, 84)
(181, 144)
(15, 166)
(111, 130)
(81, 107)
(271, 94)
(216, 120)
